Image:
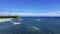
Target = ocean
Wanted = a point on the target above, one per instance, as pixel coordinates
(31, 25)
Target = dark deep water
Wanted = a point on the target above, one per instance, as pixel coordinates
(31, 25)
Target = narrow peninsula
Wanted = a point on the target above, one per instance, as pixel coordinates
(1, 17)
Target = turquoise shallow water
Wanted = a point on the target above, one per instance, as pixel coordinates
(31, 25)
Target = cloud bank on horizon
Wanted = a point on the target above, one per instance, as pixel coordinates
(31, 13)
(30, 7)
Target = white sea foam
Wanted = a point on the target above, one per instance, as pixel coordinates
(36, 28)
(16, 23)
(21, 19)
(5, 19)
(38, 19)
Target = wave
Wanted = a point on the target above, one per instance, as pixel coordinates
(5, 19)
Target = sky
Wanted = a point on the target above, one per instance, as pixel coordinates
(34, 6)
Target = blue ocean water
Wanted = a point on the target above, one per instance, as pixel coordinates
(31, 25)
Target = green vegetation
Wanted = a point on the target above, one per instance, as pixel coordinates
(9, 17)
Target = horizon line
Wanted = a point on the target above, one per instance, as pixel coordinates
(30, 13)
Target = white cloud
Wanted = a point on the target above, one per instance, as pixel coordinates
(32, 13)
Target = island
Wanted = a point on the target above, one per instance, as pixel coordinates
(9, 17)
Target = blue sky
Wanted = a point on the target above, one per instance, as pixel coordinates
(30, 5)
